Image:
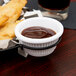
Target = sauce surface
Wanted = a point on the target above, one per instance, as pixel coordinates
(38, 32)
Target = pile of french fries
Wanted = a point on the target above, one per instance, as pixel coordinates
(9, 13)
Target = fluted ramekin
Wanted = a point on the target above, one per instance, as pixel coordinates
(39, 43)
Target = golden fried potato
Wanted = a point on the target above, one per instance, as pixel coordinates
(3, 20)
(7, 32)
(21, 2)
(13, 9)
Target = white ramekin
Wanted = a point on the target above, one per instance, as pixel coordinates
(45, 42)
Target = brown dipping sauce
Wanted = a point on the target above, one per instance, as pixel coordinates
(38, 32)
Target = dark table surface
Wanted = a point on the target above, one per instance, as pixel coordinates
(62, 62)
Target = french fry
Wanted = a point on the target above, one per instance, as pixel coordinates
(13, 9)
(3, 20)
(7, 32)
